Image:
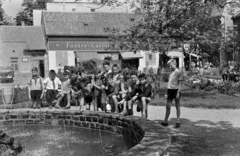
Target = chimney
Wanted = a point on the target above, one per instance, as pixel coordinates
(22, 23)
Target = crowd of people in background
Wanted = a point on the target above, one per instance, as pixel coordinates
(109, 90)
(230, 72)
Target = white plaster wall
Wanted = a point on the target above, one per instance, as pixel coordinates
(52, 60)
(37, 17)
(71, 58)
(142, 62)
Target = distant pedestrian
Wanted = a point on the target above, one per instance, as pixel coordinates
(35, 88)
(173, 92)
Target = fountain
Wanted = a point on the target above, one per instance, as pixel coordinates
(71, 132)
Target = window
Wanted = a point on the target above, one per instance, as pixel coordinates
(16, 66)
(150, 56)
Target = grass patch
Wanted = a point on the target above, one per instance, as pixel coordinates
(199, 99)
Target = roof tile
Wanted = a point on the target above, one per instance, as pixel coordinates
(85, 24)
(33, 36)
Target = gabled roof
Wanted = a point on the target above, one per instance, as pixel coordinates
(84, 24)
(33, 36)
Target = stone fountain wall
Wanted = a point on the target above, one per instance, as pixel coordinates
(152, 138)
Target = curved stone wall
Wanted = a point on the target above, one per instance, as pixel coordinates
(152, 138)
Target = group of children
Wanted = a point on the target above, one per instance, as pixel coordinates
(120, 90)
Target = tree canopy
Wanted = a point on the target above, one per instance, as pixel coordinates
(4, 20)
(26, 15)
(161, 25)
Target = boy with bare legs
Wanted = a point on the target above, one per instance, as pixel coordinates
(173, 92)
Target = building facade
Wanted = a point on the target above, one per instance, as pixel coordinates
(21, 48)
(76, 37)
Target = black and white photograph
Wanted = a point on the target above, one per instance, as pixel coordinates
(119, 77)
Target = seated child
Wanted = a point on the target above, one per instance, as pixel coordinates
(64, 96)
(145, 93)
(51, 85)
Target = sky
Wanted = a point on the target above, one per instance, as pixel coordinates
(11, 7)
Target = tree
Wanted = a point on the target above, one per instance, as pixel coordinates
(26, 15)
(4, 20)
(161, 25)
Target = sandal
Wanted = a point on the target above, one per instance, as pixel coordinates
(67, 107)
(124, 113)
(57, 106)
(143, 117)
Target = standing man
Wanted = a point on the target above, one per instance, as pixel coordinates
(173, 92)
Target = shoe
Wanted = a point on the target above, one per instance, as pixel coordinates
(177, 125)
(165, 124)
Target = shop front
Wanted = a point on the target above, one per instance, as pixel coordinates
(73, 51)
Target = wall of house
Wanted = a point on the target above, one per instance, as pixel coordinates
(149, 60)
(228, 24)
(237, 47)
(13, 53)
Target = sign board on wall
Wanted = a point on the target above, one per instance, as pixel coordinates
(79, 45)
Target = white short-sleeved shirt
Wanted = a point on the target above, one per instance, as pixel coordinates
(35, 84)
(65, 86)
(174, 78)
(49, 83)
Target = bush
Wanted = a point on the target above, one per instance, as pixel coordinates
(209, 88)
(20, 95)
(165, 77)
(229, 88)
(204, 83)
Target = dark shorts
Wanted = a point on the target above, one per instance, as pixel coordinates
(172, 93)
(64, 101)
(35, 94)
(98, 101)
(51, 95)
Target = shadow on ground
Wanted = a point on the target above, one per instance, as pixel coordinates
(204, 138)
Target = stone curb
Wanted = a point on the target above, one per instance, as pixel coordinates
(152, 138)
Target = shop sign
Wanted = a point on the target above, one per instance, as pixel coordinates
(79, 45)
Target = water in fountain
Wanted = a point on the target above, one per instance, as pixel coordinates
(49, 140)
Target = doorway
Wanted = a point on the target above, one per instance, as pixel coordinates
(41, 68)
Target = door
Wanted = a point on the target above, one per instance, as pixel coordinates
(41, 68)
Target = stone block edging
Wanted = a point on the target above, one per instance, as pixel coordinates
(152, 138)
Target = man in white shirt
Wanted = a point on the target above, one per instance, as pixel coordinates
(173, 92)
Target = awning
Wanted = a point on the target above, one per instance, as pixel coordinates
(175, 54)
(85, 56)
(131, 55)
